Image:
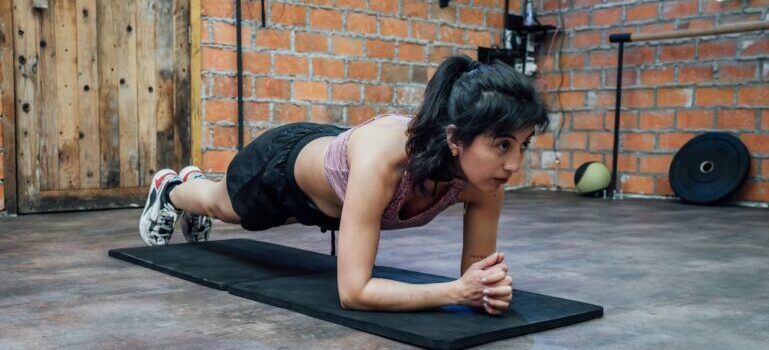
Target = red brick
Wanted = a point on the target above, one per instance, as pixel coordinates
(695, 119)
(218, 59)
(217, 110)
(347, 46)
(658, 120)
(288, 14)
(424, 31)
(638, 142)
(656, 163)
(517, 179)
(656, 28)
(439, 53)
(394, 27)
(224, 33)
(362, 70)
(354, 4)
(408, 95)
(674, 97)
(658, 76)
(310, 90)
(681, 8)
(451, 35)
(586, 40)
(289, 113)
(273, 88)
(756, 143)
(348, 92)
(357, 115)
(395, 73)
(326, 114)
(755, 47)
(638, 184)
(714, 96)
(662, 186)
(677, 53)
(641, 98)
(471, 16)
(586, 80)
(442, 15)
(695, 74)
(309, 42)
(273, 38)
(572, 100)
(552, 5)
(629, 78)
(625, 163)
(674, 141)
(587, 120)
(604, 59)
(255, 62)
(378, 93)
(609, 16)
(579, 158)
(542, 141)
(326, 19)
(249, 9)
(380, 49)
(415, 9)
(708, 50)
(638, 55)
(628, 120)
(217, 8)
(765, 167)
(542, 177)
(291, 65)
(256, 111)
(388, 7)
(361, 23)
(411, 52)
(494, 19)
(553, 81)
(642, 12)
(224, 136)
(720, 6)
(738, 72)
(754, 191)
(754, 95)
(329, 68)
(216, 161)
(228, 87)
(599, 141)
(765, 120)
(575, 20)
(737, 119)
(479, 38)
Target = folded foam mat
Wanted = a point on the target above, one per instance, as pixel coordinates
(305, 282)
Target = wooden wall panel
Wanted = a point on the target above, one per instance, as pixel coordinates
(65, 28)
(88, 93)
(127, 107)
(109, 134)
(8, 106)
(145, 45)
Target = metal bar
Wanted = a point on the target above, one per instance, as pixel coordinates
(725, 29)
(617, 106)
(239, 41)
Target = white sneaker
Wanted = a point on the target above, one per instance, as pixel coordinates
(156, 224)
(194, 227)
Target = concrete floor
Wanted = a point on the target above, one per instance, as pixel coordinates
(669, 276)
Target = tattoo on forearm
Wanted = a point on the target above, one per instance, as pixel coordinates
(475, 256)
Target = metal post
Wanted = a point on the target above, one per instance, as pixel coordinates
(617, 107)
(239, 42)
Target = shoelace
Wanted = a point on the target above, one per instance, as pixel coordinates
(166, 220)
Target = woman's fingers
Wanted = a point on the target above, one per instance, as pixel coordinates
(494, 277)
(490, 310)
(497, 304)
(498, 292)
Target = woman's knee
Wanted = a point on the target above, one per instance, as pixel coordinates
(220, 205)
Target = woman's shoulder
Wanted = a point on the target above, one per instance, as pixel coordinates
(383, 138)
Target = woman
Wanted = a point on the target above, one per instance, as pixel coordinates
(390, 172)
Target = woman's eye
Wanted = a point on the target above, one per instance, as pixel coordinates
(503, 146)
(526, 145)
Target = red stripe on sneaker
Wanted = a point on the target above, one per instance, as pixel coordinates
(187, 175)
(159, 180)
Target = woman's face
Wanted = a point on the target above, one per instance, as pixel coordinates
(489, 161)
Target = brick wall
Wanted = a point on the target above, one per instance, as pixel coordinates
(2, 147)
(673, 90)
(328, 61)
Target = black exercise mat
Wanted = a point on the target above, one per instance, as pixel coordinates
(305, 282)
(448, 327)
(217, 264)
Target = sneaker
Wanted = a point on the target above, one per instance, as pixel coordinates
(157, 222)
(194, 227)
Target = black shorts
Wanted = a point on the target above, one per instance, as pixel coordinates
(261, 184)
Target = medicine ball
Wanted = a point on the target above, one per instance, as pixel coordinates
(592, 178)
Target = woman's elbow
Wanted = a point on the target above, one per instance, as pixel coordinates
(351, 300)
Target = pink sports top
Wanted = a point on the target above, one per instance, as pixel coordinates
(338, 172)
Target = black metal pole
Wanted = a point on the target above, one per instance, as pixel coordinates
(617, 106)
(503, 38)
(264, 16)
(239, 41)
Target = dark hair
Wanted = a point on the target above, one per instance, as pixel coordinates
(478, 98)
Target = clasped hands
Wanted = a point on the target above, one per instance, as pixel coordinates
(486, 284)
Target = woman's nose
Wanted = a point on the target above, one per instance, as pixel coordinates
(513, 163)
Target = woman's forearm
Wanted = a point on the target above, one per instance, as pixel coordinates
(388, 295)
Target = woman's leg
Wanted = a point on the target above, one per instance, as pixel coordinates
(205, 197)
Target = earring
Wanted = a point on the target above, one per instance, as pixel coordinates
(454, 152)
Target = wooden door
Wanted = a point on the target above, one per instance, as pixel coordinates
(102, 100)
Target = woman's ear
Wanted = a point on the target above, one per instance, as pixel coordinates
(451, 138)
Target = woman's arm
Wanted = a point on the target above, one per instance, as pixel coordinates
(481, 223)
